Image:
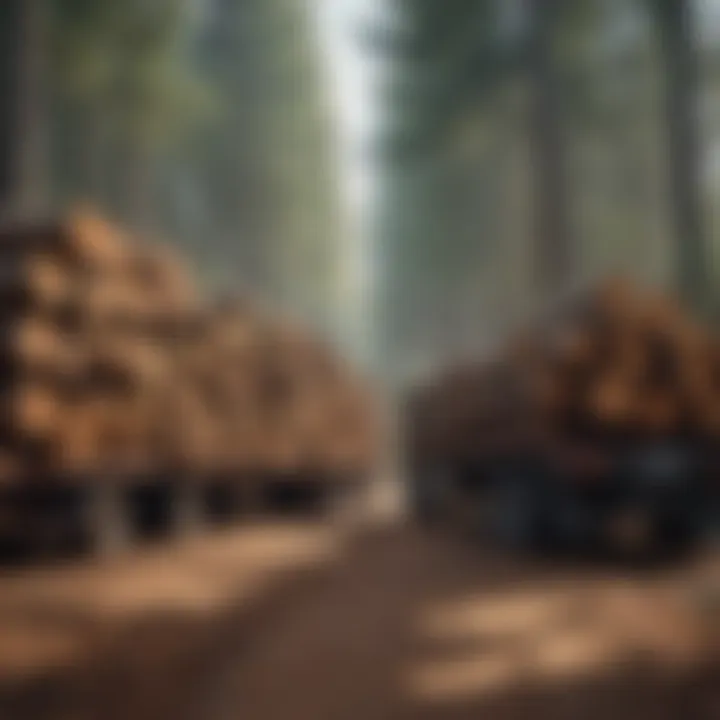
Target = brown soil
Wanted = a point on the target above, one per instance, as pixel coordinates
(291, 622)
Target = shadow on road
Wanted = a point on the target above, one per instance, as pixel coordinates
(413, 625)
(141, 651)
(402, 624)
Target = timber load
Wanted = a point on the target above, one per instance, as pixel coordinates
(112, 361)
(614, 363)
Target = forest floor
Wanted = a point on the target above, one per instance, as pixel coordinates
(305, 620)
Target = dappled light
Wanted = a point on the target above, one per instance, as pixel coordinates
(359, 360)
(488, 644)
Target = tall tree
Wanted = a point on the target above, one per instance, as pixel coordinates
(265, 161)
(680, 59)
(554, 251)
(202, 120)
(128, 96)
(23, 159)
(441, 59)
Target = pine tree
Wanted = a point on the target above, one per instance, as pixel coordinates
(23, 87)
(680, 60)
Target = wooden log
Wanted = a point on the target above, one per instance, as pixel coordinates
(31, 410)
(617, 359)
(122, 365)
(76, 445)
(81, 238)
(32, 347)
(158, 274)
(34, 282)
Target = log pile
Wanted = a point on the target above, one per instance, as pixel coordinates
(613, 363)
(57, 285)
(112, 362)
(274, 396)
(315, 408)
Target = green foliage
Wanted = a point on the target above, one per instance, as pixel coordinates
(455, 109)
(201, 120)
(132, 60)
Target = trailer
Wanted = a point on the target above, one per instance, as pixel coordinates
(130, 404)
(599, 428)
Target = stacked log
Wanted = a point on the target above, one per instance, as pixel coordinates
(111, 363)
(320, 410)
(210, 394)
(47, 271)
(301, 400)
(613, 363)
(251, 395)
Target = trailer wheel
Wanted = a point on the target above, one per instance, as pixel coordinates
(428, 494)
(677, 539)
(188, 513)
(513, 514)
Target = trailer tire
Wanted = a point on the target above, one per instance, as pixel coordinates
(677, 540)
(428, 493)
(514, 514)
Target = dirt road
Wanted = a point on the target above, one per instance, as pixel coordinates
(413, 626)
(135, 636)
(395, 623)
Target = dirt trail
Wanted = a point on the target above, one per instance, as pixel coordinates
(285, 622)
(130, 638)
(418, 626)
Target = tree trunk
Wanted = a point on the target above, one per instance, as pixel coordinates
(554, 253)
(139, 201)
(10, 21)
(94, 157)
(681, 107)
(23, 115)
